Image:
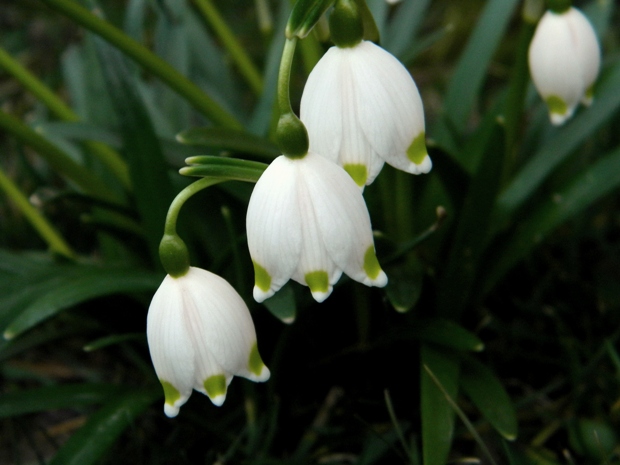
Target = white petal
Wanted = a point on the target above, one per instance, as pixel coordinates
(390, 113)
(274, 225)
(170, 347)
(222, 329)
(587, 48)
(554, 66)
(342, 217)
(322, 103)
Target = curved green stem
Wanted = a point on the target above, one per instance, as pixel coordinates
(108, 156)
(47, 232)
(151, 62)
(170, 227)
(284, 76)
(229, 40)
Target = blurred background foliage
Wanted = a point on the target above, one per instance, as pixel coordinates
(496, 340)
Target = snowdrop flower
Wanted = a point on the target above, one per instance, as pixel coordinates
(362, 108)
(564, 58)
(200, 335)
(307, 221)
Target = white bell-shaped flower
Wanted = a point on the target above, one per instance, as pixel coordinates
(307, 221)
(200, 335)
(362, 108)
(564, 59)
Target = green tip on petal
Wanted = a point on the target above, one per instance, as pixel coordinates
(255, 363)
(371, 264)
(171, 394)
(417, 150)
(318, 281)
(556, 105)
(262, 279)
(358, 172)
(215, 386)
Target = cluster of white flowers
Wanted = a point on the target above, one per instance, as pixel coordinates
(307, 219)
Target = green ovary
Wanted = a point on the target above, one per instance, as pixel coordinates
(215, 385)
(317, 281)
(371, 264)
(171, 394)
(417, 150)
(556, 105)
(358, 172)
(255, 363)
(261, 278)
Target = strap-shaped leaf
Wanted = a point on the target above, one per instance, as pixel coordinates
(486, 391)
(585, 189)
(467, 79)
(229, 139)
(437, 413)
(79, 285)
(95, 438)
(56, 397)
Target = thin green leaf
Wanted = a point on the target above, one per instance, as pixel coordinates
(55, 397)
(405, 285)
(229, 139)
(487, 393)
(57, 159)
(577, 195)
(562, 144)
(470, 72)
(113, 340)
(148, 168)
(72, 289)
(96, 437)
(403, 28)
(437, 414)
(474, 221)
(147, 59)
(224, 168)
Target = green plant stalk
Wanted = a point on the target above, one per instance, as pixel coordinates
(108, 156)
(147, 59)
(284, 76)
(82, 177)
(47, 232)
(245, 65)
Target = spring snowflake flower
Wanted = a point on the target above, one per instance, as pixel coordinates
(564, 58)
(362, 108)
(200, 335)
(307, 221)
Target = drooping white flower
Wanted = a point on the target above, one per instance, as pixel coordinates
(307, 221)
(200, 335)
(362, 108)
(564, 59)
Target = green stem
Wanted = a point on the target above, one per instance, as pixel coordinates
(108, 156)
(58, 160)
(229, 40)
(151, 62)
(47, 232)
(284, 76)
(170, 227)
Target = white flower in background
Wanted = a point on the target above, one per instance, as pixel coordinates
(200, 335)
(362, 108)
(307, 221)
(564, 58)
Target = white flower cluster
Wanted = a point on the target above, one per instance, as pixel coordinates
(307, 219)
